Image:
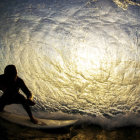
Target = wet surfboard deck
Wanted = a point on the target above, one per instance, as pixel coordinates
(42, 123)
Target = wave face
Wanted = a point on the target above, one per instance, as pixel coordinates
(76, 56)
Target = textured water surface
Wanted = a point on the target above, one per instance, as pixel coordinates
(77, 57)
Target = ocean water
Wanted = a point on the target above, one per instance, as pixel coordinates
(80, 58)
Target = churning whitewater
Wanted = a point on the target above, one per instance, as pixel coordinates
(80, 59)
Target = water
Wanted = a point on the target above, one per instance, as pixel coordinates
(75, 133)
(79, 58)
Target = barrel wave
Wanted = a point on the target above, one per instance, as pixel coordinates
(77, 57)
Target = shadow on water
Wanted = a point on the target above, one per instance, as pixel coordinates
(10, 131)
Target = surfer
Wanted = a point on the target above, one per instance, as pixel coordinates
(10, 84)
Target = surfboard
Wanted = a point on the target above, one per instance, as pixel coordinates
(42, 123)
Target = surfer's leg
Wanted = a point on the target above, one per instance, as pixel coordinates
(23, 101)
(28, 110)
(3, 102)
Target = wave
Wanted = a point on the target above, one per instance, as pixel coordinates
(76, 56)
(84, 119)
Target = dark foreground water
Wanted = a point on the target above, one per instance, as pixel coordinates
(9, 131)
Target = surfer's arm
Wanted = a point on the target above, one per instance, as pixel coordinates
(24, 88)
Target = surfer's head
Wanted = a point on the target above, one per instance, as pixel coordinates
(10, 72)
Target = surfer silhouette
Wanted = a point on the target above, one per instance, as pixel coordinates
(10, 84)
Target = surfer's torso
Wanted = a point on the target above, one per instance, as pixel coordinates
(11, 87)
